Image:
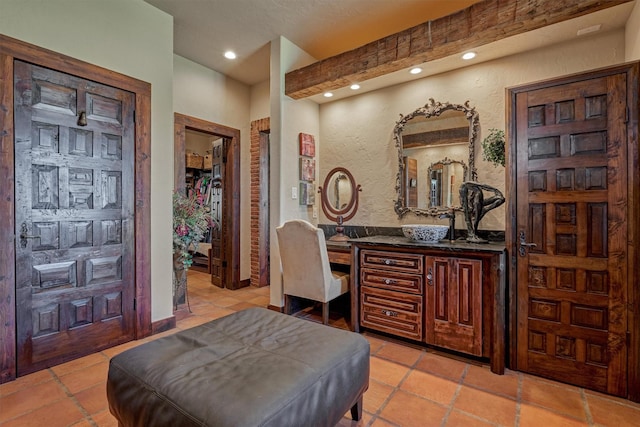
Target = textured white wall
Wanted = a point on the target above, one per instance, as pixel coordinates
(135, 39)
(288, 119)
(357, 132)
(632, 35)
(260, 101)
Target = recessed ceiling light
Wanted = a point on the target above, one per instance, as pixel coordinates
(355, 86)
(416, 70)
(230, 54)
(328, 94)
(469, 55)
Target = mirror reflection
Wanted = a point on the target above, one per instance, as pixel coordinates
(436, 145)
(339, 190)
(444, 179)
(339, 196)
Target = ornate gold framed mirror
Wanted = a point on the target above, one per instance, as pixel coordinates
(434, 143)
(339, 197)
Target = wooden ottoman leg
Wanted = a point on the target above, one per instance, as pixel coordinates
(356, 409)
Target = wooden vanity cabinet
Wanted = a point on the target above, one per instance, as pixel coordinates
(450, 296)
(391, 292)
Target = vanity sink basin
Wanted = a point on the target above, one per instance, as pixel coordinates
(425, 232)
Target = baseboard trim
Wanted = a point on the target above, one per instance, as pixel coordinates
(275, 308)
(163, 325)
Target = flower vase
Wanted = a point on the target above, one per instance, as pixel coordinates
(179, 281)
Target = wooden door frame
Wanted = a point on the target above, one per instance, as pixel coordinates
(231, 190)
(260, 172)
(263, 233)
(632, 71)
(11, 49)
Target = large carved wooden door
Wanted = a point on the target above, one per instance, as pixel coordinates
(217, 212)
(74, 210)
(571, 232)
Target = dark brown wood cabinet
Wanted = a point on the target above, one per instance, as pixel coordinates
(454, 303)
(391, 298)
(446, 295)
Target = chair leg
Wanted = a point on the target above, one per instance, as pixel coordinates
(325, 313)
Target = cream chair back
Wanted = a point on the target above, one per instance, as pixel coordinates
(305, 263)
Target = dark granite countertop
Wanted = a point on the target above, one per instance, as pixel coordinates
(457, 246)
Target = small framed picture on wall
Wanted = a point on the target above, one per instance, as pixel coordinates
(307, 193)
(307, 169)
(307, 145)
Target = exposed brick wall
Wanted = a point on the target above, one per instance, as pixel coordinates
(257, 126)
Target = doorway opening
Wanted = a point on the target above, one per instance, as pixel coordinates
(224, 257)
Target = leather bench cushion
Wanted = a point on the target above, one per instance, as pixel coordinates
(252, 368)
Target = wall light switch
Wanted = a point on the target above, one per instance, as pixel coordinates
(314, 213)
(294, 192)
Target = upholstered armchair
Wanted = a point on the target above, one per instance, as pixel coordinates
(305, 266)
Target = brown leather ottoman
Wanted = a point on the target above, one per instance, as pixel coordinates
(252, 368)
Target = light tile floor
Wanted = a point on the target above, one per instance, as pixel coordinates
(409, 386)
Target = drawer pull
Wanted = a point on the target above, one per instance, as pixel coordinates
(390, 313)
(387, 261)
(389, 281)
(430, 277)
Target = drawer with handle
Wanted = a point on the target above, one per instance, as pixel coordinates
(392, 312)
(396, 261)
(394, 281)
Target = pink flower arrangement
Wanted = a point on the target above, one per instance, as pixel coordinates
(191, 222)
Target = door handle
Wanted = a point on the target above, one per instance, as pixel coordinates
(24, 235)
(524, 244)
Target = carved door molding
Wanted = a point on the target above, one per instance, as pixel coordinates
(573, 164)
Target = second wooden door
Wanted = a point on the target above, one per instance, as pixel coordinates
(570, 230)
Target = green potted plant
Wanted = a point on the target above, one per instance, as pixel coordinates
(191, 221)
(493, 147)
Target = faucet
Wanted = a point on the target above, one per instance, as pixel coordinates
(451, 215)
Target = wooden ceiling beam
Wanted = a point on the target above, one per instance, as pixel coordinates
(480, 24)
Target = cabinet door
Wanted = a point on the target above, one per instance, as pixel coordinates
(454, 304)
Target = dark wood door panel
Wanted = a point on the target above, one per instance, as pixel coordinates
(571, 207)
(454, 304)
(74, 160)
(217, 212)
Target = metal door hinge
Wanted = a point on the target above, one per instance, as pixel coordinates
(224, 264)
(134, 116)
(135, 304)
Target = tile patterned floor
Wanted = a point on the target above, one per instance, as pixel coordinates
(409, 386)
